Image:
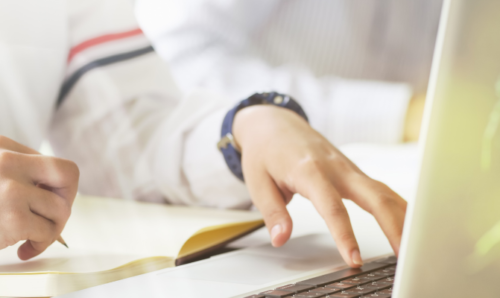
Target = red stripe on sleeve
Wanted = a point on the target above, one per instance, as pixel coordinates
(101, 39)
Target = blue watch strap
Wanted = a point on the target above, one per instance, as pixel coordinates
(227, 145)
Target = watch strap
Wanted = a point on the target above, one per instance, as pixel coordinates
(227, 145)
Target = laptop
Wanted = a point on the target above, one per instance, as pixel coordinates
(451, 239)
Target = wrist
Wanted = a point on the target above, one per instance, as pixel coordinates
(247, 123)
(254, 115)
(261, 124)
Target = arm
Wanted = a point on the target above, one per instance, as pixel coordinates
(142, 141)
(211, 44)
(121, 118)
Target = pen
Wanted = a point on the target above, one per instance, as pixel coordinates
(61, 240)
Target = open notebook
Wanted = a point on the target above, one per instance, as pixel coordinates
(112, 239)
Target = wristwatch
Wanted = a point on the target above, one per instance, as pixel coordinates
(227, 145)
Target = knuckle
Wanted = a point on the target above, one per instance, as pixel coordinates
(318, 164)
(310, 165)
(16, 223)
(40, 247)
(74, 171)
(6, 159)
(336, 210)
(3, 140)
(342, 165)
(62, 171)
(383, 195)
(7, 240)
(61, 208)
(8, 189)
(65, 211)
(274, 215)
(71, 170)
(311, 162)
(345, 237)
(384, 201)
(10, 241)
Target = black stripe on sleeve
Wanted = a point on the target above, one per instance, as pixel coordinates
(71, 81)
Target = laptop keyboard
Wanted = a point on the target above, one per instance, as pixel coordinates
(374, 280)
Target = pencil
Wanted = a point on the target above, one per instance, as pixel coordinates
(61, 240)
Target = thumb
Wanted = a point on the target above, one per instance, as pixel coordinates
(30, 249)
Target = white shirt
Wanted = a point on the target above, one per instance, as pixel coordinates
(122, 119)
(316, 50)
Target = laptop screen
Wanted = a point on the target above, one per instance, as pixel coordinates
(453, 242)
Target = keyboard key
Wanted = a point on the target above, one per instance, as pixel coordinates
(381, 275)
(389, 279)
(384, 272)
(353, 281)
(384, 284)
(309, 295)
(342, 274)
(377, 295)
(369, 277)
(332, 288)
(325, 290)
(295, 288)
(344, 294)
(340, 285)
(374, 286)
(276, 294)
(256, 296)
(379, 285)
(364, 290)
(386, 291)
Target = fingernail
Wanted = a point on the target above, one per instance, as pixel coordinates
(356, 258)
(275, 231)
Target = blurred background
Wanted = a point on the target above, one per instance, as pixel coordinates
(359, 68)
(354, 65)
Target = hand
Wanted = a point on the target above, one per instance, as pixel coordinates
(282, 155)
(36, 195)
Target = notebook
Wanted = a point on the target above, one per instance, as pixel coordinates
(111, 239)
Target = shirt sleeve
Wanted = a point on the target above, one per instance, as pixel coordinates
(122, 119)
(209, 44)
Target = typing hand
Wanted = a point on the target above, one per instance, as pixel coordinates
(282, 155)
(36, 194)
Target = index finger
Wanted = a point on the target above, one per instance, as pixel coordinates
(328, 203)
(8, 144)
(54, 174)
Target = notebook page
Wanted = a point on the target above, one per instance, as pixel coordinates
(133, 228)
